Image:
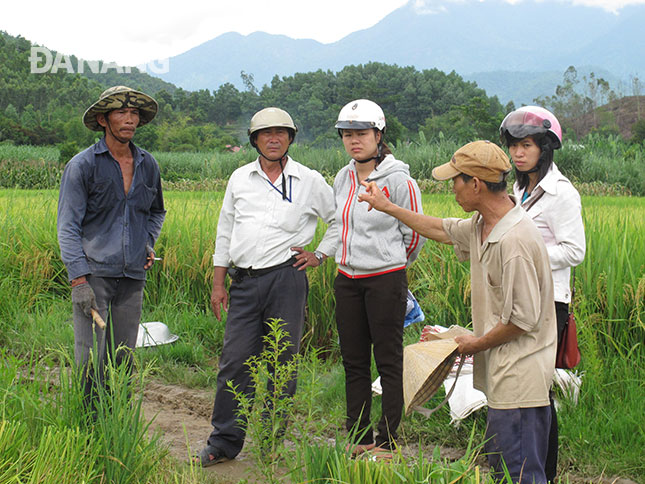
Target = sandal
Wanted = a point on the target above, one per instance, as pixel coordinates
(358, 449)
(380, 454)
(209, 456)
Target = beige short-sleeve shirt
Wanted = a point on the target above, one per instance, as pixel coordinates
(510, 282)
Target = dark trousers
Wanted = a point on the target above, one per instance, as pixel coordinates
(520, 437)
(551, 467)
(118, 301)
(369, 314)
(280, 294)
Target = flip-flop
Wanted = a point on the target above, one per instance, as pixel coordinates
(209, 456)
(358, 449)
(380, 454)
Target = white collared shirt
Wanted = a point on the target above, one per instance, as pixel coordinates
(257, 228)
(558, 217)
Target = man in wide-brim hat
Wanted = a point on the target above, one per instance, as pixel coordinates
(513, 315)
(110, 213)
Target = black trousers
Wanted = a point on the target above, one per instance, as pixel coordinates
(253, 301)
(551, 466)
(369, 315)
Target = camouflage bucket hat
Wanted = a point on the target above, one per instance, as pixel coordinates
(118, 97)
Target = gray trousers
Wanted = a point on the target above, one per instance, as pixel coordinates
(253, 301)
(119, 301)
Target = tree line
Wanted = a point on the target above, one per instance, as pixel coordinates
(46, 108)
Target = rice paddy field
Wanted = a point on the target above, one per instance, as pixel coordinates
(43, 437)
(147, 426)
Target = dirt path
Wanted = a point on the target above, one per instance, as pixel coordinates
(183, 416)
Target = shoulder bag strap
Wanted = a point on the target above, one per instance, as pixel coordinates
(573, 288)
(533, 201)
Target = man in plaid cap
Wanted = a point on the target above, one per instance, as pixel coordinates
(110, 213)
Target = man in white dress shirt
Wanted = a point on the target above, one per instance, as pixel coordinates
(270, 212)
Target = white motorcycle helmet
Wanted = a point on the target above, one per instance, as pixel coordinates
(361, 114)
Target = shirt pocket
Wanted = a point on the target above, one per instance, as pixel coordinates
(495, 298)
(143, 197)
(287, 216)
(102, 196)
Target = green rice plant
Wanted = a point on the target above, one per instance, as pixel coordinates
(333, 464)
(113, 442)
(51, 456)
(319, 402)
(610, 298)
(130, 451)
(604, 433)
(29, 166)
(601, 164)
(610, 281)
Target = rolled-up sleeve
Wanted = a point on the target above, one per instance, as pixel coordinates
(459, 231)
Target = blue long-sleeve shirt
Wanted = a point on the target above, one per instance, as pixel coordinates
(101, 230)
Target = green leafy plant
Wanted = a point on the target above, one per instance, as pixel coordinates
(265, 416)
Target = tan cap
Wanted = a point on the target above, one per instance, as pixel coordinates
(482, 159)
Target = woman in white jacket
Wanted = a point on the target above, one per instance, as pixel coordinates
(531, 134)
(371, 285)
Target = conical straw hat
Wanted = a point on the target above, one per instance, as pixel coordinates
(425, 366)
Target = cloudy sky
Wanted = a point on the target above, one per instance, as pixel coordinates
(130, 33)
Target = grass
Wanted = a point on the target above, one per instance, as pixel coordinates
(604, 434)
(598, 164)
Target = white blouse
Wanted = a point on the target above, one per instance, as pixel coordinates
(558, 217)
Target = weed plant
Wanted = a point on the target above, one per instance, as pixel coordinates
(266, 410)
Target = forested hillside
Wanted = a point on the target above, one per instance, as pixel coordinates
(45, 109)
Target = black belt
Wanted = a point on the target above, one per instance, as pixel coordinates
(238, 273)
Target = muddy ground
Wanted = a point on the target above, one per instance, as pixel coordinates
(183, 416)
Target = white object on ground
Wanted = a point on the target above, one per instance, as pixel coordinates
(570, 383)
(154, 334)
(465, 399)
(376, 386)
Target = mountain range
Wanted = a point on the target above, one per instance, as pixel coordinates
(517, 52)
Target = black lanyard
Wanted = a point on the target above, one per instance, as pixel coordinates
(280, 192)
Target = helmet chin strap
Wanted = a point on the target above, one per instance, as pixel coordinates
(280, 160)
(366, 160)
(379, 153)
(537, 166)
(120, 140)
(532, 170)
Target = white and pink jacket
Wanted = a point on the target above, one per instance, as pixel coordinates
(372, 242)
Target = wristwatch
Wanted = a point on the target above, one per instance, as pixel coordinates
(320, 256)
